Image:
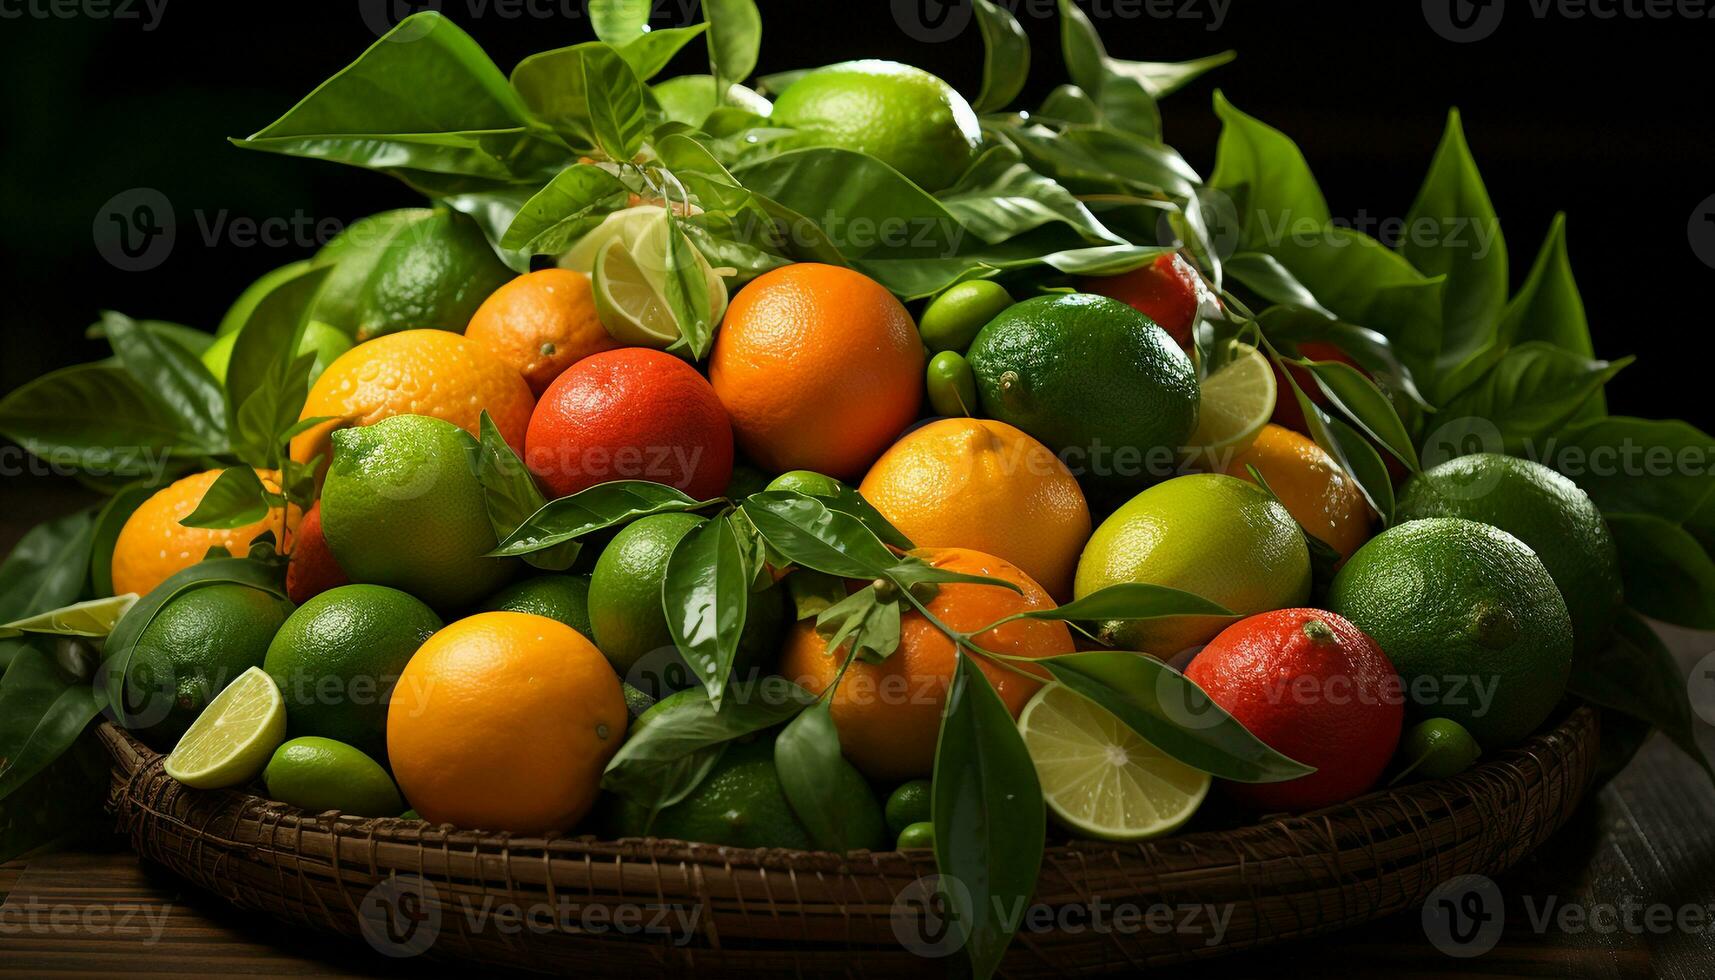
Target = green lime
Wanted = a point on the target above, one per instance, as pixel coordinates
(630, 623)
(1099, 777)
(1212, 535)
(952, 386)
(1469, 617)
(562, 598)
(1095, 380)
(338, 656)
(320, 339)
(916, 836)
(232, 739)
(903, 116)
(690, 98)
(320, 774)
(741, 804)
(239, 312)
(196, 645)
(1546, 511)
(1437, 748)
(410, 815)
(954, 318)
(627, 256)
(405, 269)
(908, 804)
(807, 482)
(402, 508)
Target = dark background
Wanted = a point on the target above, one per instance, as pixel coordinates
(1607, 119)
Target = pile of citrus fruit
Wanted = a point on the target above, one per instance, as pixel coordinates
(411, 664)
(655, 506)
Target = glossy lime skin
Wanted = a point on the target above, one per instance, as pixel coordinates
(320, 774)
(954, 318)
(806, 482)
(903, 116)
(908, 804)
(1438, 748)
(916, 836)
(952, 386)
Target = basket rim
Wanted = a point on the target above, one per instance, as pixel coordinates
(136, 760)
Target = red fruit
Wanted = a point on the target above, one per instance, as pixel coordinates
(1314, 687)
(630, 414)
(1168, 291)
(312, 569)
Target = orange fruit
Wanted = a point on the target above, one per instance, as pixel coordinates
(505, 721)
(820, 368)
(153, 544)
(889, 714)
(415, 372)
(982, 484)
(539, 324)
(1306, 479)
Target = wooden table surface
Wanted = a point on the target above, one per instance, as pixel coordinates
(1638, 853)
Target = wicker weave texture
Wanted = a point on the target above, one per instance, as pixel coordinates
(648, 907)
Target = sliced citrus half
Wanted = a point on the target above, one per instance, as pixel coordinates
(1237, 401)
(1099, 777)
(233, 738)
(630, 307)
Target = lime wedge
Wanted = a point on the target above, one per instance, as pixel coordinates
(626, 225)
(233, 738)
(629, 274)
(630, 307)
(1098, 777)
(1237, 401)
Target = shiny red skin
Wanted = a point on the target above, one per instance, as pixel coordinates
(1333, 702)
(630, 414)
(312, 569)
(1168, 291)
(1286, 410)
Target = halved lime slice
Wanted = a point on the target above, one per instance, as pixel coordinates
(1237, 401)
(630, 307)
(233, 738)
(1098, 777)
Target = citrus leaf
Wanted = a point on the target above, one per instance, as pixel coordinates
(122, 642)
(806, 532)
(1364, 403)
(41, 714)
(1131, 601)
(571, 204)
(649, 53)
(173, 374)
(617, 118)
(108, 523)
(989, 818)
(1351, 452)
(619, 22)
(1452, 231)
(706, 596)
(598, 508)
(97, 418)
(812, 592)
(1602, 456)
(665, 758)
(812, 774)
(735, 38)
(863, 623)
(1173, 714)
(686, 291)
(1666, 572)
(1532, 391)
(1006, 57)
(235, 498)
(1637, 675)
(510, 495)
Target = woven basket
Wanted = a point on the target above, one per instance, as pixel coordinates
(648, 907)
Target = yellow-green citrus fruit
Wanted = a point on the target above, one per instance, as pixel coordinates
(954, 318)
(1211, 535)
(901, 115)
(402, 508)
(321, 774)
